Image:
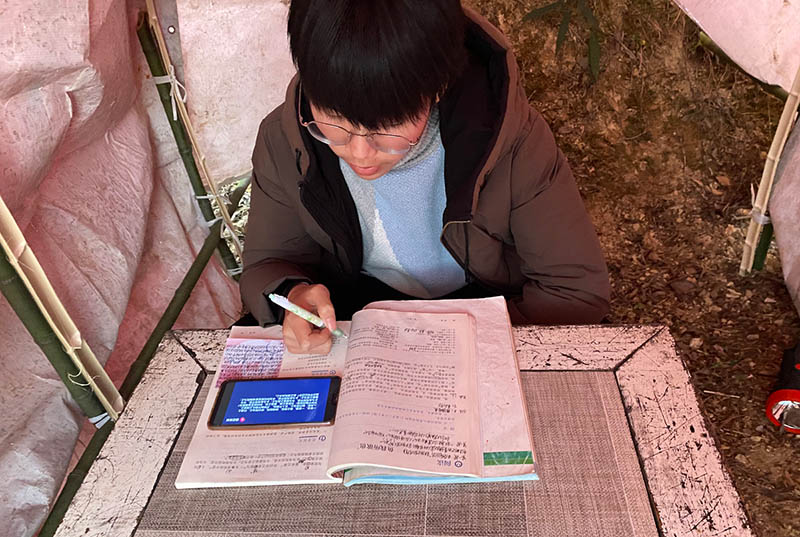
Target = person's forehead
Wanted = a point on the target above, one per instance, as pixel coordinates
(330, 117)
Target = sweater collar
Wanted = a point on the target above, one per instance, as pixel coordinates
(427, 144)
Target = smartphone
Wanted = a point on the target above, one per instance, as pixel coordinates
(277, 402)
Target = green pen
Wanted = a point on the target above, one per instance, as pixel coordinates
(284, 302)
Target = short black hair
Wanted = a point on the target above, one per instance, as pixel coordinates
(376, 63)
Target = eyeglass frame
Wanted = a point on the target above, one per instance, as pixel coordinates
(368, 136)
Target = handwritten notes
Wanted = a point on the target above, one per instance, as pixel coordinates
(250, 358)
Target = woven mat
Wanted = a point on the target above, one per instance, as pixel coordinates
(591, 485)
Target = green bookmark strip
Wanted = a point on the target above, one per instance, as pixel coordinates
(495, 458)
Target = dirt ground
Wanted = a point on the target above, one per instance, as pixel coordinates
(665, 146)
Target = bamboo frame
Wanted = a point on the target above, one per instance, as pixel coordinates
(761, 203)
(43, 300)
(155, 29)
(178, 301)
(764, 242)
(33, 319)
(185, 150)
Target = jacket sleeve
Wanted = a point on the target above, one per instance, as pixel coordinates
(277, 248)
(567, 278)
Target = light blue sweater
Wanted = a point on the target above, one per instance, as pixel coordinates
(401, 220)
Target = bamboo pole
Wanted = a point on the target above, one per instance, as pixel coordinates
(761, 203)
(158, 35)
(762, 248)
(174, 308)
(26, 308)
(184, 142)
(26, 266)
(76, 477)
(175, 305)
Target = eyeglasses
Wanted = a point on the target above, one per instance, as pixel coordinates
(335, 135)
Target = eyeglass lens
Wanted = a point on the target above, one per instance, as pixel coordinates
(334, 135)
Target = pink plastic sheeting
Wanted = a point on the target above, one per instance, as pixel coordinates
(235, 75)
(784, 208)
(91, 173)
(761, 36)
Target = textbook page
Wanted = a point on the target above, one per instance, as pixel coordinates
(220, 458)
(408, 398)
(507, 444)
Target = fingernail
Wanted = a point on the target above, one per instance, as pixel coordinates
(330, 323)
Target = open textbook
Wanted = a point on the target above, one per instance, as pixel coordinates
(430, 394)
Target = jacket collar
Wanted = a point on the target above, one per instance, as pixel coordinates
(290, 124)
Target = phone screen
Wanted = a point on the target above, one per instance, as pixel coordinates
(271, 402)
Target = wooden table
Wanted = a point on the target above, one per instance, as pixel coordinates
(689, 490)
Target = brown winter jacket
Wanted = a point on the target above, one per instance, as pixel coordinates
(514, 219)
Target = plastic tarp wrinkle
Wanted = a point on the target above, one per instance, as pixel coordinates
(41, 44)
(33, 126)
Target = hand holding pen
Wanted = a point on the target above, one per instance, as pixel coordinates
(299, 332)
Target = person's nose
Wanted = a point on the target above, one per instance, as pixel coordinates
(360, 148)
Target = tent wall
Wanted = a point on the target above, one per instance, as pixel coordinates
(784, 208)
(235, 74)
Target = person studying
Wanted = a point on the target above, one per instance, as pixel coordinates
(407, 163)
